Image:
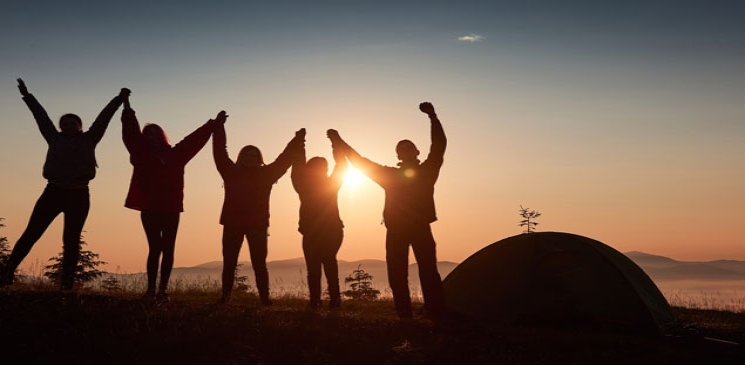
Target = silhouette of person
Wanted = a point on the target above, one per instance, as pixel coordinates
(320, 224)
(245, 212)
(408, 211)
(157, 190)
(69, 166)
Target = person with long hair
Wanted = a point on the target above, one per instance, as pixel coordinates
(248, 185)
(69, 167)
(319, 223)
(157, 190)
(408, 212)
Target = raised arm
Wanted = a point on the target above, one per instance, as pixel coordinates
(220, 145)
(373, 170)
(193, 143)
(131, 133)
(437, 133)
(298, 168)
(340, 160)
(290, 153)
(46, 126)
(98, 128)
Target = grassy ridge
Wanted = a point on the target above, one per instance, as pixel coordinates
(44, 326)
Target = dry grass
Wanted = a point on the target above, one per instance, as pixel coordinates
(708, 300)
(92, 326)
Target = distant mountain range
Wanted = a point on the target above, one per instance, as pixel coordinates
(661, 268)
(292, 272)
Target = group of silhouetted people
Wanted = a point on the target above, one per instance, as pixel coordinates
(157, 190)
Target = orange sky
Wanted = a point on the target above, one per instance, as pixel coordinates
(627, 130)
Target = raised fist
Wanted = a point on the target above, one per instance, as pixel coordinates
(124, 92)
(427, 108)
(300, 133)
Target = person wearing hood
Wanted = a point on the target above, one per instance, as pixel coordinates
(248, 185)
(408, 211)
(157, 190)
(69, 166)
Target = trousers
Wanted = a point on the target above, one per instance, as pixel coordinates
(420, 238)
(74, 203)
(232, 239)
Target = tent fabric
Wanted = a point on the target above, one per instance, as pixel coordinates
(557, 279)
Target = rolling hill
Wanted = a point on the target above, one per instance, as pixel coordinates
(666, 269)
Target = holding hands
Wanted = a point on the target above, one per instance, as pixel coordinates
(333, 135)
(221, 118)
(300, 139)
(337, 143)
(124, 94)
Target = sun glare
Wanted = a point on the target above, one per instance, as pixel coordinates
(353, 177)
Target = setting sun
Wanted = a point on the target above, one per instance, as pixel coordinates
(353, 177)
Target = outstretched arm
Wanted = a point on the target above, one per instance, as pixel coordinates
(371, 169)
(437, 133)
(46, 127)
(288, 155)
(337, 143)
(98, 128)
(193, 143)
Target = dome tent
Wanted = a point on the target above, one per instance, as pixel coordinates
(557, 279)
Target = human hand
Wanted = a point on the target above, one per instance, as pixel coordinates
(221, 118)
(427, 108)
(336, 141)
(300, 133)
(22, 87)
(333, 135)
(124, 93)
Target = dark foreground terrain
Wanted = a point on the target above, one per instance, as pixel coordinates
(48, 326)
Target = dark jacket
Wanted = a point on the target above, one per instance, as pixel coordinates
(409, 189)
(319, 206)
(71, 160)
(247, 190)
(158, 175)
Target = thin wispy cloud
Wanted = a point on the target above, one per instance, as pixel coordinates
(473, 38)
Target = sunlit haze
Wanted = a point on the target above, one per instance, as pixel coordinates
(621, 122)
(353, 178)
